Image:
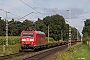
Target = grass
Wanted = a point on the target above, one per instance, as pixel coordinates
(13, 45)
(83, 53)
(78, 52)
(4, 50)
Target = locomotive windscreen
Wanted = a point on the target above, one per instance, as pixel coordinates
(27, 35)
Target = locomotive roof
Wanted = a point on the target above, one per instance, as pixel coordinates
(39, 32)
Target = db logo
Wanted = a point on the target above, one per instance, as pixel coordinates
(27, 39)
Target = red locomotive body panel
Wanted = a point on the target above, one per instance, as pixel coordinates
(30, 39)
(40, 38)
(27, 37)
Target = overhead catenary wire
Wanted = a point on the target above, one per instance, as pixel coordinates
(44, 7)
(26, 15)
(18, 10)
(12, 7)
(30, 6)
(11, 13)
(23, 10)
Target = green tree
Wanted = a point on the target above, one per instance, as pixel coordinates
(2, 27)
(86, 31)
(39, 25)
(86, 28)
(27, 24)
(56, 24)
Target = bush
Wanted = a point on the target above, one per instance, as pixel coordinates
(13, 40)
(85, 40)
(50, 39)
(2, 40)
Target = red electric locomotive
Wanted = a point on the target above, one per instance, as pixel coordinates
(32, 39)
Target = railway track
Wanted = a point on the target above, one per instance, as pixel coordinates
(33, 55)
(6, 57)
(42, 54)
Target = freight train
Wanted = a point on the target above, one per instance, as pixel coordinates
(33, 39)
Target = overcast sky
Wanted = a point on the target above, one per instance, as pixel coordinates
(80, 10)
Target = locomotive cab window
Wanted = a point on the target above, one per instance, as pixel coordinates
(27, 35)
(31, 35)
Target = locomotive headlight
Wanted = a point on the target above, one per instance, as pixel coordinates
(31, 39)
(23, 39)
